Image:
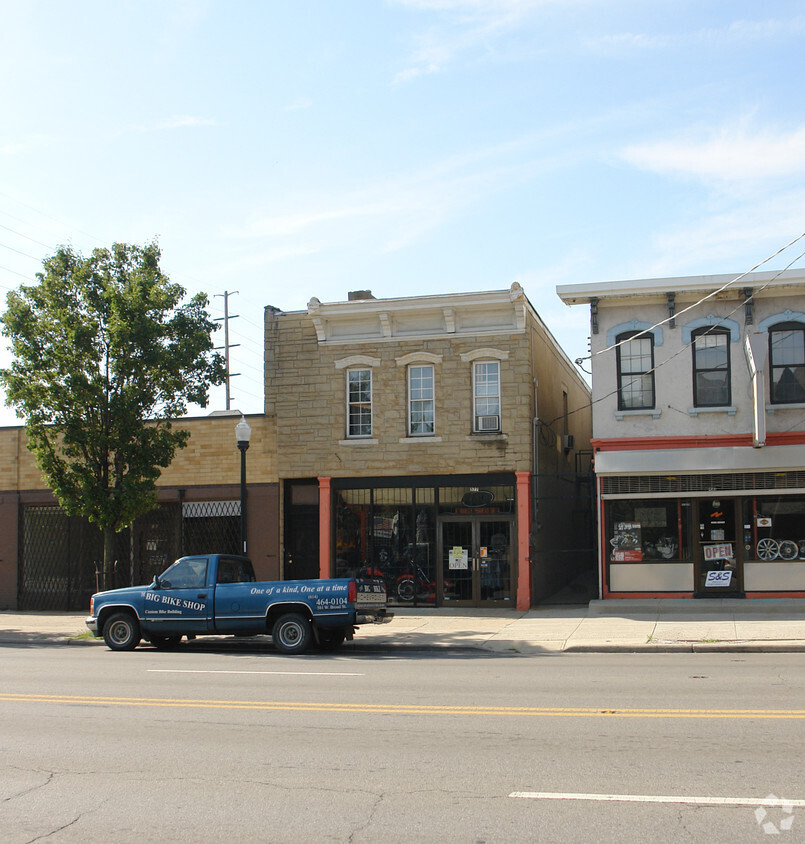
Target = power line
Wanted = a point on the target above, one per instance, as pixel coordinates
(20, 234)
(686, 346)
(20, 252)
(710, 295)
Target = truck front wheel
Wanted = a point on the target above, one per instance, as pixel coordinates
(122, 632)
(291, 633)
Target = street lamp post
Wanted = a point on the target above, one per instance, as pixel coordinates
(243, 432)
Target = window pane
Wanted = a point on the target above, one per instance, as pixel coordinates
(787, 365)
(788, 348)
(712, 388)
(359, 398)
(711, 369)
(487, 389)
(635, 361)
(421, 409)
(711, 351)
(636, 355)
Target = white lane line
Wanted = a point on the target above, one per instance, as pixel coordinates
(285, 673)
(651, 798)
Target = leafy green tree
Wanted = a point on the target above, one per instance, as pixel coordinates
(105, 356)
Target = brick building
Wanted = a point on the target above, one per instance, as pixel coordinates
(49, 560)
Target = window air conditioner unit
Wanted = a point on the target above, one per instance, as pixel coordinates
(487, 423)
(568, 442)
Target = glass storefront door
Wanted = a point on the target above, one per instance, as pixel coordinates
(718, 561)
(477, 561)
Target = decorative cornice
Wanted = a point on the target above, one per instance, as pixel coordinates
(498, 312)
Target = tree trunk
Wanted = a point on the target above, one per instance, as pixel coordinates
(108, 558)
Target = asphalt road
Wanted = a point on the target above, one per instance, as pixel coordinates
(237, 744)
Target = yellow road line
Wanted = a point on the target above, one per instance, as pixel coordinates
(399, 709)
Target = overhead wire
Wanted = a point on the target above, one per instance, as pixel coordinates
(703, 299)
(676, 315)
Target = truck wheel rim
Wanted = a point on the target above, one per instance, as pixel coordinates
(120, 632)
(291, 633)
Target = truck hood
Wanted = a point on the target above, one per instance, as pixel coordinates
(125, 592)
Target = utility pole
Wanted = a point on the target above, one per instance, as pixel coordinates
(227, 345)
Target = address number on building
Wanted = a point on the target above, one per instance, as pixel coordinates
(718, 578)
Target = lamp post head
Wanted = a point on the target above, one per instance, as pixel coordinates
(243, 433)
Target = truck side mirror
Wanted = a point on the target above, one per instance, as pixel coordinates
(156, 582)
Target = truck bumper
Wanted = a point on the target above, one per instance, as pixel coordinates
(92, 624)
(377, 617)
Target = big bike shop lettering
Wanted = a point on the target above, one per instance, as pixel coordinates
(179, 603)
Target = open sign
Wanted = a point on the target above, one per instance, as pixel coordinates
(723, 551)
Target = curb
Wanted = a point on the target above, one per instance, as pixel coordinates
(534, 649)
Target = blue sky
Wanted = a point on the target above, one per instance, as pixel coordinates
(296, 148)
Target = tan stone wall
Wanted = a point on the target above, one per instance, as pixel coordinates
(307, 392)
(210, 457)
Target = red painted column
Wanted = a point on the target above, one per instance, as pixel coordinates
(523, 532)
(325, 523)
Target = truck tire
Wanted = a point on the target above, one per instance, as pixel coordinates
(291, 633)
(331, 638)
(121, 632)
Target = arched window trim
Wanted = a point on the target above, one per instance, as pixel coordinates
(634, 326)
(711, 321)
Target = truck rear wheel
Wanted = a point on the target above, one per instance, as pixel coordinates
(122, 632)
(291, 633)
(331, 638)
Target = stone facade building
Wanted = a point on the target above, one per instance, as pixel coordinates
(409, 435)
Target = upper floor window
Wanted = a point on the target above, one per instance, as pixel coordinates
(635, 362)
(486, 396)
(787, 362)
(421, 416)
(711, 368)
(359, 403)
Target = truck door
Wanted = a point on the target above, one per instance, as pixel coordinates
(182, 603)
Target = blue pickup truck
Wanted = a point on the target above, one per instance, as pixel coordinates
(217, 594)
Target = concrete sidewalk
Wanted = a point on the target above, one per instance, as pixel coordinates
(602, 626)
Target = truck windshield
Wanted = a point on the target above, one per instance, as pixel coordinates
(189, 573)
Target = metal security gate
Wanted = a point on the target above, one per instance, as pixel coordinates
(60, 557)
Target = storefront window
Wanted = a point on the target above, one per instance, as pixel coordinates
(648, 530)
(389, 533)
(774, 528)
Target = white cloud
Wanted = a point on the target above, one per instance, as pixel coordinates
(731, 154)
(395, 211)
(745, 232)
(464, 26)
(740, 33)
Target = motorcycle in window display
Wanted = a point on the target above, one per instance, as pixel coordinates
(407, 576)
